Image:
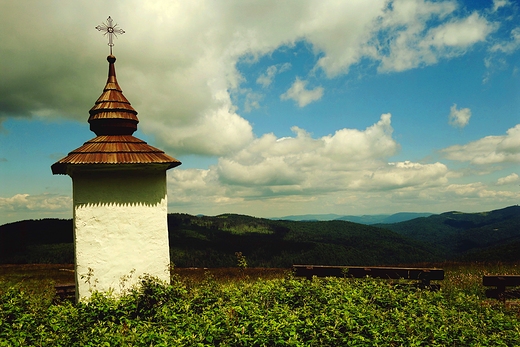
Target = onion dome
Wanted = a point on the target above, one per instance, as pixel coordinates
(114, 121)
(112, 114)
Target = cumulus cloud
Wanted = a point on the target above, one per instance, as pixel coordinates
(413, 43)
(478, 190)
(409, 174)
(217, 133)
(186, 69)
(300, 94)
(459, 118)
(178, 64)
(488, 150)
(344, 31)
(459, 33)
(348, 160)
(510, 179)
(41, 202)
(349, 168)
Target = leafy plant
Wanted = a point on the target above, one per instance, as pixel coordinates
(241, 261)
(281, 311)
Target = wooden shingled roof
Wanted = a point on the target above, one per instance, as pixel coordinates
(114, 121)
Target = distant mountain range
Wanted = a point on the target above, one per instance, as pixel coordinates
(203, 241)
(484, 236)
(364, 219)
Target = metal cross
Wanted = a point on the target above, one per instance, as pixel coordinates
(110, 30)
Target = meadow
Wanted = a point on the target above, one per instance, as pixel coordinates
(258, 307)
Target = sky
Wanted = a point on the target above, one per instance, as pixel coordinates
(274, 108)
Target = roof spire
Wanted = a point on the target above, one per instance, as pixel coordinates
(110, 30)
(112, 113)
(114, 121)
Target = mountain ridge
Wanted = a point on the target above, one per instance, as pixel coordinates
(456, 233)
(206, 241)
(367, 219)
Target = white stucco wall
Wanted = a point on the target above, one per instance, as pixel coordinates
(120, 229)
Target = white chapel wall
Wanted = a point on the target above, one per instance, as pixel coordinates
(120, 229)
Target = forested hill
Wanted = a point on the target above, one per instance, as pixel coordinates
(208, 241)
(485, 236)
(203, 241)
(200, 241)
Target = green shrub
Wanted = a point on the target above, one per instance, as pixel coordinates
(276, 312)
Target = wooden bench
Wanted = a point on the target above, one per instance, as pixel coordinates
(423, 275)
(65, 291)
(501, 282)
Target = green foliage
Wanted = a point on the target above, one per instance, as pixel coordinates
(241, 260)
(277, 312)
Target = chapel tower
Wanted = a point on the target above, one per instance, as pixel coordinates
(119, 198)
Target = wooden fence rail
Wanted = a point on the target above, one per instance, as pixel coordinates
(423, 275)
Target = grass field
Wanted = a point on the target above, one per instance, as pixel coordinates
(258, 307)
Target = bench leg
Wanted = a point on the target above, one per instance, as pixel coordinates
(501, 293)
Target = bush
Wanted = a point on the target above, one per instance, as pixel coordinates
(277, 312)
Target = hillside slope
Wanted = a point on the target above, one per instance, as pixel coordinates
(384, 218)
(200, 241)
(208, 241)
(460, 235)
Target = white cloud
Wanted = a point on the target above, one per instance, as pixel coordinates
(413, 43)
(252, 101)
(479, 190)
(270, 168)
(496, 60)
(41, 202)
(488, 150)
(217, 133)
(267, 78)
(407, 174)
(358, 146)
(459, 117)
(178, 65)
(510, 46)
(348, 169)
(459, 33)
(300, 94)
(499, 4)
(510, 179)
(186, 69)
(344, 31)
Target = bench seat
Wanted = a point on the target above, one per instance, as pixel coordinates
(501, 282)
(424, 275)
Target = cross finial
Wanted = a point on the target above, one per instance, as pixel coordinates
(110, 30)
